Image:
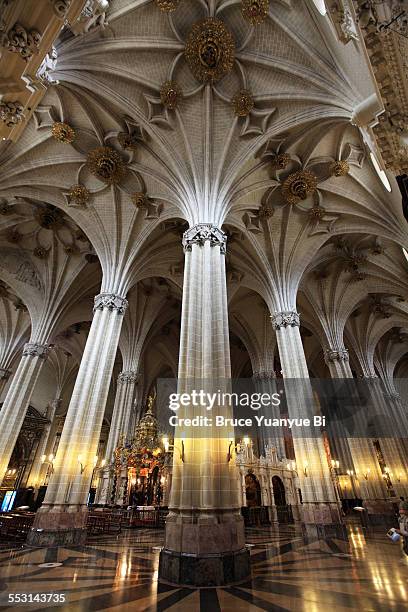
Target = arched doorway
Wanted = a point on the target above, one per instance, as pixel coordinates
(252, 491)
(284, 511)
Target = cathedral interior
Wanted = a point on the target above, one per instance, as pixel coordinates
(193, 193)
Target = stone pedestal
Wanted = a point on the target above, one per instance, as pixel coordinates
(59, 529)
(219, 569)
(321, 521)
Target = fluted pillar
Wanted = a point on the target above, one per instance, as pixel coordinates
(320, 508)
(62, 517)
(120, 424)
(204, 539)
(18, 397)
(358, 452)
(265, 382)
(122, 411)
(390, 448)
(4, 376)
(39, 469)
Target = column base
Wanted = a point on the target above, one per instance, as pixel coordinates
(185, 569)
(321, 521)
(58, 529)
(324, 531)
(379, 512)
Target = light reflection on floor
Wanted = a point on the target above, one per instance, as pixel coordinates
(368, 572)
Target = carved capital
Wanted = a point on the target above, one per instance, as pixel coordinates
(332, 355)
(11, 113)
(4, 374)
(287, 318)
(33, 349)
(23, 41)
(128, 377)
(111, 302)
(200, 233)
(263, 375)
(60, 7)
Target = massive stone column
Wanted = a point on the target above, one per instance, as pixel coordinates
(4, 376)
(204, 540)
(122, 411)
(265, 382)
(389, 445)
(18, 397)
(358, 452)
(120, 425)
(320, 505)
(39, 468)
(62, 517)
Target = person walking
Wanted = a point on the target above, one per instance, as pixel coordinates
(403, 524)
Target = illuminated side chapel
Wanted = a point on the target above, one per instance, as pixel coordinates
(202, 191)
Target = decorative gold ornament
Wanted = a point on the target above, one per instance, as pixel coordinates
(210, 50)
(167, 6)
(255, 11)
(63, 132)
(298, 186)
(170, 94)
(266, 211)
(127, 141)
(317, 212)
(139, 199)
(339, 168)
(106, 164)
(79, 195)
(243, 103)
(280, 161)
(40, 252)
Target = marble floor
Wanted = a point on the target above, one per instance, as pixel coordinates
(120, 573)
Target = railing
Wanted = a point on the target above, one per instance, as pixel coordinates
(15, 526)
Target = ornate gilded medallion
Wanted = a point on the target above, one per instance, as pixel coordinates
(139, 199)
(79, 195)
(298, 186)
(127, 141)
(339, 168)
(106, 164)
(210, 50)
(280, 161)
(243, 103)
(63, 132)
(255, 11)
(170, 94)
(167, 6)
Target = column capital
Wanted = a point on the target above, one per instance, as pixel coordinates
(56, 403)
(129, 376)
(263, 375)
(111, 301)
(33, 349)
(4, 374)
(286, 318)
(332, 355)
(200, 233)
